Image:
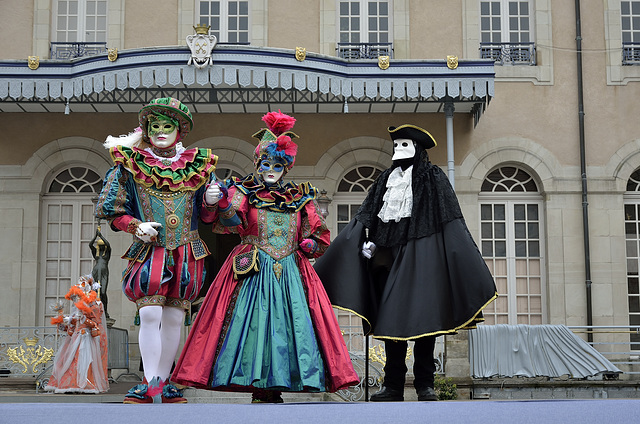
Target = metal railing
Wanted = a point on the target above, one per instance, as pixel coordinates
(364, 50)
(620, 344)
(28, 353)
(509, 53)
(368, 359)
(66, 51)
(631, 53)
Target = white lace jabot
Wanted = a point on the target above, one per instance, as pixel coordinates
(398, 199)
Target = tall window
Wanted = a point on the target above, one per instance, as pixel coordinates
(364, 29)
(630, 15)
(229, 20)
(68, 228)
(632, 232)
(506, 31)
(81, 21)
(512, 245)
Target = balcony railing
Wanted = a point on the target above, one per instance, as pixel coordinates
(66, 51)
(631, 53)
(364, 50)
(620, 344)
(509, 53)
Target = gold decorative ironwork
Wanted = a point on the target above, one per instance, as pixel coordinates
(452, 62)
(383, 62)
(112, 54)
(301, 54)
(377, 354)
(32, 356)
(34, 62)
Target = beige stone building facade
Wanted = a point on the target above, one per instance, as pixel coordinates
(536, 130)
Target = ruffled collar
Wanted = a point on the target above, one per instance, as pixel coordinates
(187, 171)
(178, 149)
(279, 197)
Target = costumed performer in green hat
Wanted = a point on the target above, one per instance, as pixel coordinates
(157, 190)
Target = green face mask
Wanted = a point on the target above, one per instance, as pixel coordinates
(160, 125)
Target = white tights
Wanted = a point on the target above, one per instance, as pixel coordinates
(159, 339)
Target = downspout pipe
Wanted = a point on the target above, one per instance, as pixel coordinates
(449, 108)
(583, 170)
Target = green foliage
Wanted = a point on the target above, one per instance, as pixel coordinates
(445, 388)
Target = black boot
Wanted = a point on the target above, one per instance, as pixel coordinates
(387, 394)
(427, 394)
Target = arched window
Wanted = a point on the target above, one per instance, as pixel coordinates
(226, 173)
(352, 189)
(632, 241)
(512, 244)
(69, 226)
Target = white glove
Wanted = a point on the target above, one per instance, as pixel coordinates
(147, 231)
(213, 194)
(368, 249)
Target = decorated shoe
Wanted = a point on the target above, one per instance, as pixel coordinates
(138, 394)
(171, 394)
(154, 391)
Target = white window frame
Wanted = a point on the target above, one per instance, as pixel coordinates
(80, 258)
(510, 200)
(631, 198)
(542, 73)
(505, 19)
(364, 18)
(82, 33)
(223, 32)
(617, 74)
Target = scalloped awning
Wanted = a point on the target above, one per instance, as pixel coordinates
(245, 79)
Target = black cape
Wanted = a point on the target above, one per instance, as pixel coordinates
(435, 280)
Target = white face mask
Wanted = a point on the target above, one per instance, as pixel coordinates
(164, 141)
(403, 148)
(271, 171)
(162, 133)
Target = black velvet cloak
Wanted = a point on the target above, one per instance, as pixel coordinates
(437, 280)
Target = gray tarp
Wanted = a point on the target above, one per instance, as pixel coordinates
(532, 351)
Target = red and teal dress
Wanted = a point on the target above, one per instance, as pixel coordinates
(142, 187)
(275, 329)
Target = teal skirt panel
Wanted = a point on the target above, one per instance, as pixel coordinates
(270, 342)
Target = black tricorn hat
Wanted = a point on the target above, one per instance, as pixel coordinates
(411, 132)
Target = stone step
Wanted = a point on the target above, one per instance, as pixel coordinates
(211, 396)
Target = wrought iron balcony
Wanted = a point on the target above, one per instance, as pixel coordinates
(631, 53)
(509, 53)
(364, 50)
(68, 51)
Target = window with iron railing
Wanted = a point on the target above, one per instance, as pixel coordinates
(364, 29)
(630, 24)
(506, 32)
(79, 28)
